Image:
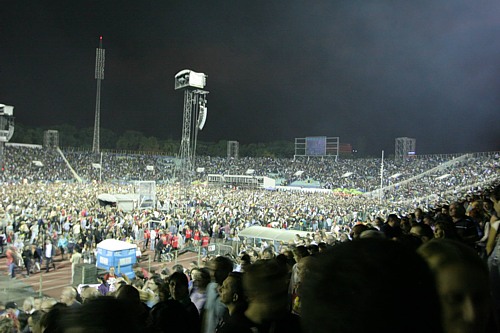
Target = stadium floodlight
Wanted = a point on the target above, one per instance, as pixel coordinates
(188, 78)
(99, 76)
(6, 110)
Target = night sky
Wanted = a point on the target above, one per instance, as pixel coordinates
(366, 71)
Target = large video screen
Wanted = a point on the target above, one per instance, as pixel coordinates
(316, 145)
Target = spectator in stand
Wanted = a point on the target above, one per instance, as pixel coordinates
(357, 230)
(465, 227)
(103, 314)
(200, 278)
(371, 285)
(219, 268)
(131, 297)
(179, 291)
(418, 216)
(300, 252)
(68, 297)
(265, 284)
(111, 275)
(423, 231)
(29, 305)
(234, 298)
(34, 321)
(9, 324)
(391, 228)
(150, 292)
(37, 303)
(493, 249)
(463, 286)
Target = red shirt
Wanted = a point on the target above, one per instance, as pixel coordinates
(175, 242)
(196, 235)
(204, 241)
(189, 233)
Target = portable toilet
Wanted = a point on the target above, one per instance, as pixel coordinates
(121, 255)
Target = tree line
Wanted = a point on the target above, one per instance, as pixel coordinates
(70, 136)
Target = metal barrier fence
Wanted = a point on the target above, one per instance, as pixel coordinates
(214, 248)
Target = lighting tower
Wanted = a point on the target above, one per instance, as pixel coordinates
(99, 76)
(6, 127)
(194, 117)
(404, 147)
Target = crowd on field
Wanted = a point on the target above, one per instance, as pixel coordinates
(438, 257)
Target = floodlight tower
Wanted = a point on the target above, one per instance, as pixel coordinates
(6, 127)
(99, 76)
(195, 103)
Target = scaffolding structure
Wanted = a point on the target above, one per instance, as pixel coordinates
(233, 149)
(51, 139)
(404, 148)
(6, 128)
(194, 117)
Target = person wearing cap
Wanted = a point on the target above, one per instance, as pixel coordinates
(12, 307)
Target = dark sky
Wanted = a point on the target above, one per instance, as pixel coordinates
(366, 71)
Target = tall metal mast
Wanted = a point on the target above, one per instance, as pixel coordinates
(99, 75)
(194, 117)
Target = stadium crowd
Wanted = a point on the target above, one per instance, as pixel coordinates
(38, 164)
(401, 263)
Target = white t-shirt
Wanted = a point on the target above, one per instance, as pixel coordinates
(48, 250)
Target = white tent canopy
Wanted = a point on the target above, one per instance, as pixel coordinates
(106, 197)
(271, 233)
